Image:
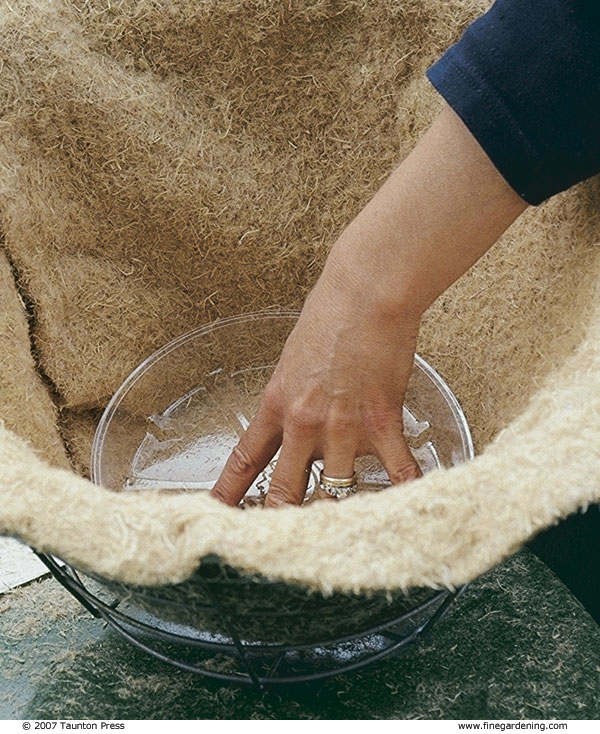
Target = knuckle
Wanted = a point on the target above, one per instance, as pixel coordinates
(271, 400)
(303, 420)
(380, 420)
(340, 422)
(241, 462)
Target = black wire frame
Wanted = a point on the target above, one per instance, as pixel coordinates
(270, 656)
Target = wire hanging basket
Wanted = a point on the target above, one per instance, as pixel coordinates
(170, 427)
(212, 636)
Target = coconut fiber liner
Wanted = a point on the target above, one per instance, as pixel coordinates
(165, 164)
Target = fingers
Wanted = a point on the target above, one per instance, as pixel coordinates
(340, 448)
(390, 446)
(290, 477)
(256, 448)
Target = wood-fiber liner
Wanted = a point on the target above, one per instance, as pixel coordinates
(164, 164)
(25, 404)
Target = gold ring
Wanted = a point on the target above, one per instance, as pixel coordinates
(336, 482)
(336, 487)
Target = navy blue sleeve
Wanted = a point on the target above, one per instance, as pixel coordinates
(525, 79)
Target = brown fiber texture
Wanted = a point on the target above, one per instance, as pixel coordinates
(25, 403)
(162, 164)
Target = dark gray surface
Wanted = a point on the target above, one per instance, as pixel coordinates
(516, 645)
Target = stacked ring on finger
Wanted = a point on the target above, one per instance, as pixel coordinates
(338, 488)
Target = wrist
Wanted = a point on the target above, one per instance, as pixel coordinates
(371, 281)
(365, 288)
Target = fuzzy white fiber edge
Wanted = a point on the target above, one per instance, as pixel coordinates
(441, 530)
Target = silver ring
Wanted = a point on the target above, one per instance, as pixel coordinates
(338, 488)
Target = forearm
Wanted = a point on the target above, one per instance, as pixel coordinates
(436, 215)
(438, 212)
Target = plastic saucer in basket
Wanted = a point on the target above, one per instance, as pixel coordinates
(171, 426)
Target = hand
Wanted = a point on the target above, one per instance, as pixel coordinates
(336, 393)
